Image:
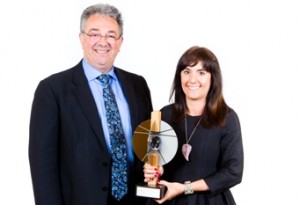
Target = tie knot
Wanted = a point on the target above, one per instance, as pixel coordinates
(104, 79)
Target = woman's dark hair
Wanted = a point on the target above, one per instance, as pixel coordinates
(215, 107)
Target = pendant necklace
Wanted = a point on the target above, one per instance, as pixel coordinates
(187, 148)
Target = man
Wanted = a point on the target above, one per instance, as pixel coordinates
(70, 149)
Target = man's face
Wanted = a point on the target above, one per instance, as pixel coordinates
(101, 41)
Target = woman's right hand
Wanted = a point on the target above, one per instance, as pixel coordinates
(151, 172)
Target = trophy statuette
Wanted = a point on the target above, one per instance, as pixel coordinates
(154, 142)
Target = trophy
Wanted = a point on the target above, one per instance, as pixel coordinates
(154, 142)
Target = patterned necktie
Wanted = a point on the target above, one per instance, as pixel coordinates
(117, 140)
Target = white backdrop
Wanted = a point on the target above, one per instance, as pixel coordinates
(256, 41)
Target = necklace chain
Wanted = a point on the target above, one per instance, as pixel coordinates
(188, 139)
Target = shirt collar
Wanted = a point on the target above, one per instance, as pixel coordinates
(92, 73)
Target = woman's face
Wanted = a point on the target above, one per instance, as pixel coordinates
(195, 82)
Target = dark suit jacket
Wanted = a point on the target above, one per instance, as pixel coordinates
(69, 160)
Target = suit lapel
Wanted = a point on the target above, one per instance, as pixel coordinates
(86, 101)
(128, 90)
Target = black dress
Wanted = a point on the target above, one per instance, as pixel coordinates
(216, 157)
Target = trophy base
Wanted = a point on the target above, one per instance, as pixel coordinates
(155, 192)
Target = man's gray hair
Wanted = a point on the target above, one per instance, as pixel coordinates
(104, 10)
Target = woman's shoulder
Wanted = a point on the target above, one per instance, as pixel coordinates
(167, 109)
(232, 113)
(166, 112)
(232, 118)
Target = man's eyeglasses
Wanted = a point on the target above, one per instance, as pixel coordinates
(110, 38)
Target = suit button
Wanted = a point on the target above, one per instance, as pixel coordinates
(105, 164)
(104, 188)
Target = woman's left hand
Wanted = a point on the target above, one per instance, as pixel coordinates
(174, 189)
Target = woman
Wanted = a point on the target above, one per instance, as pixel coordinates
(209, 160)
